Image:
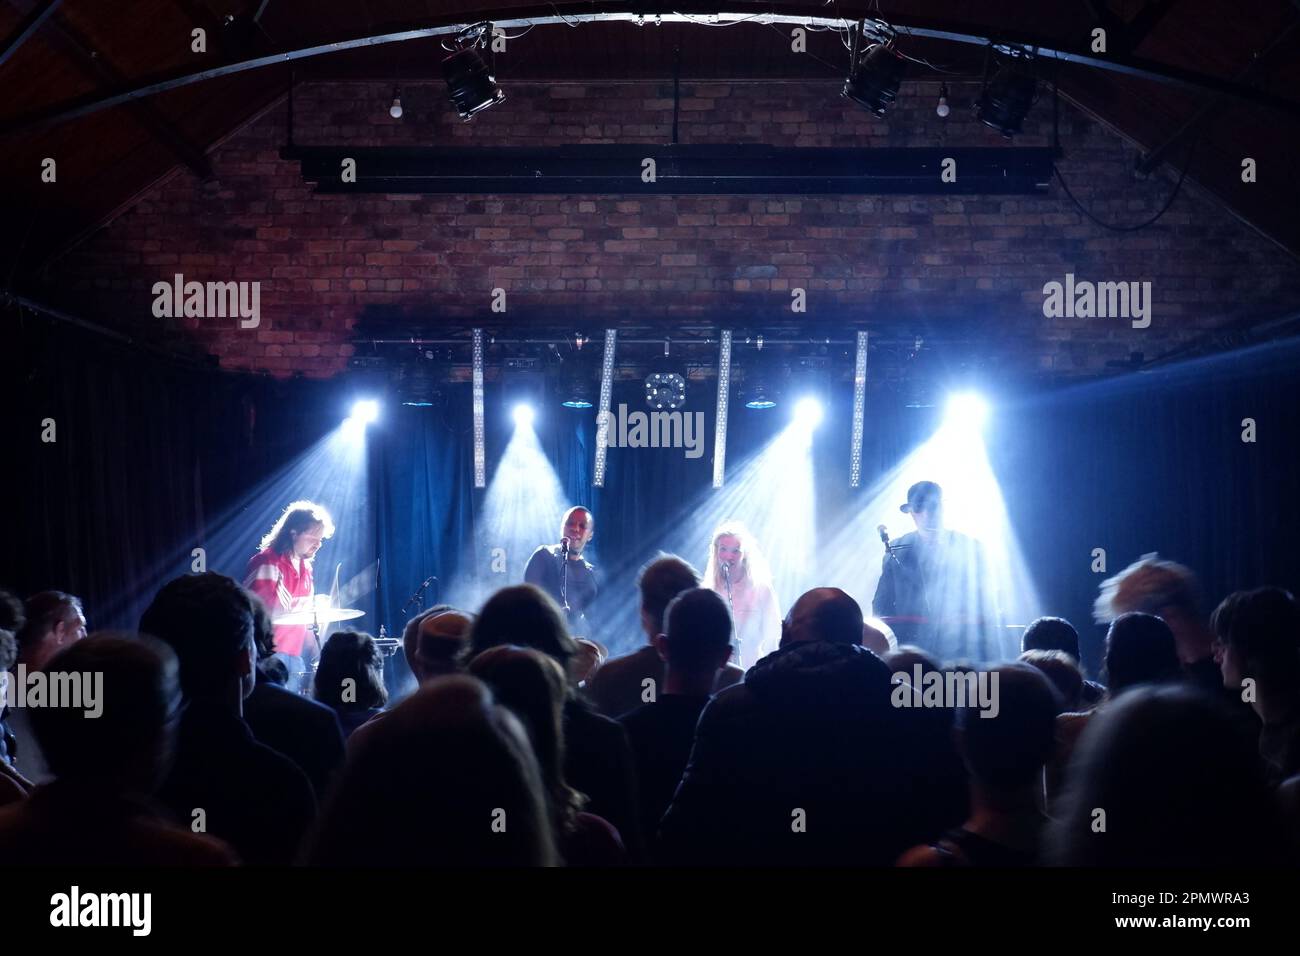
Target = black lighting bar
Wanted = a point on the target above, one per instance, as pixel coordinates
(705, 169)
(684, 11)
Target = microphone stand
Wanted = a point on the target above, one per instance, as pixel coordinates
(418, 596)
(726, 577)
(564, 578)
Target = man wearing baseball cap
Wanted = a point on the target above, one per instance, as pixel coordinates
(933, 590)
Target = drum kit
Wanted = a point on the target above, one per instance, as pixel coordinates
(320, 617)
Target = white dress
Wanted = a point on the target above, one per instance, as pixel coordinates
(757, 621)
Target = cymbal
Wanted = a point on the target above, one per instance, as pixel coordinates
(324, 615)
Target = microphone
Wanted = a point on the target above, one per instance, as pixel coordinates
(418, 596)
(884, 534)
(564, 546)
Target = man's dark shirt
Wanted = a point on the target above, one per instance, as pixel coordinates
(64, 823)
(305, 731)
(598, 762)
(661, 735)
(254, 798)
(1279, 746)
(945, 585)
(543, 570)
(618, 685)
(810, 738)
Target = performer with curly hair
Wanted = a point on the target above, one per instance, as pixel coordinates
(281, 574)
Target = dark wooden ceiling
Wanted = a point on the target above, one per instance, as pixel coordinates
(85, 49)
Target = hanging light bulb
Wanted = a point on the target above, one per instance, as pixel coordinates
(395, 111)
(942, 108)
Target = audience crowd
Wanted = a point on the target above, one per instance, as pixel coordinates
(519, 745)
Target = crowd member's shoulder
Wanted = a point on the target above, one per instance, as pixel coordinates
(165, 845)
(922, 857)
(10, 791)
(729, 676)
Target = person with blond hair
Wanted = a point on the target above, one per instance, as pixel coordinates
(737, 571)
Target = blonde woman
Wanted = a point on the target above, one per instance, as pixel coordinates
(737, 571)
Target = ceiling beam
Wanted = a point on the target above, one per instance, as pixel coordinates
(26, 28)
(685, 12)
(1157, 156)
(95, 66)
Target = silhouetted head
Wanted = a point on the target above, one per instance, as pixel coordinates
(823, 614)
(1051, 634)
(54, 621)
(697, 637)
(446, 779)
(1257, 635)
(523, 615)
(1140, 649)
(660, 581)
(207, 620)
(1007, 750)
(1063, 671)
(350, 675)
(128, 746)
(1163, 777)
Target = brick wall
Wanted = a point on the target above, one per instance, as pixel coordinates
(892, 262)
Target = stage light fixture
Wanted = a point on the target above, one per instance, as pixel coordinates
(602, 417)
(576, 390)
(859, 409)
(419, 385)
(874, 79)
(365, 411)
(724, 392)
(1008, 95)
(966, 412)
(759, 394)
(580, 397)
(480, 445)
(469, 80)
(665, 390)
(808, 412)
(523, 415)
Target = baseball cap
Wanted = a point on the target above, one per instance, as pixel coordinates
(919, 494)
